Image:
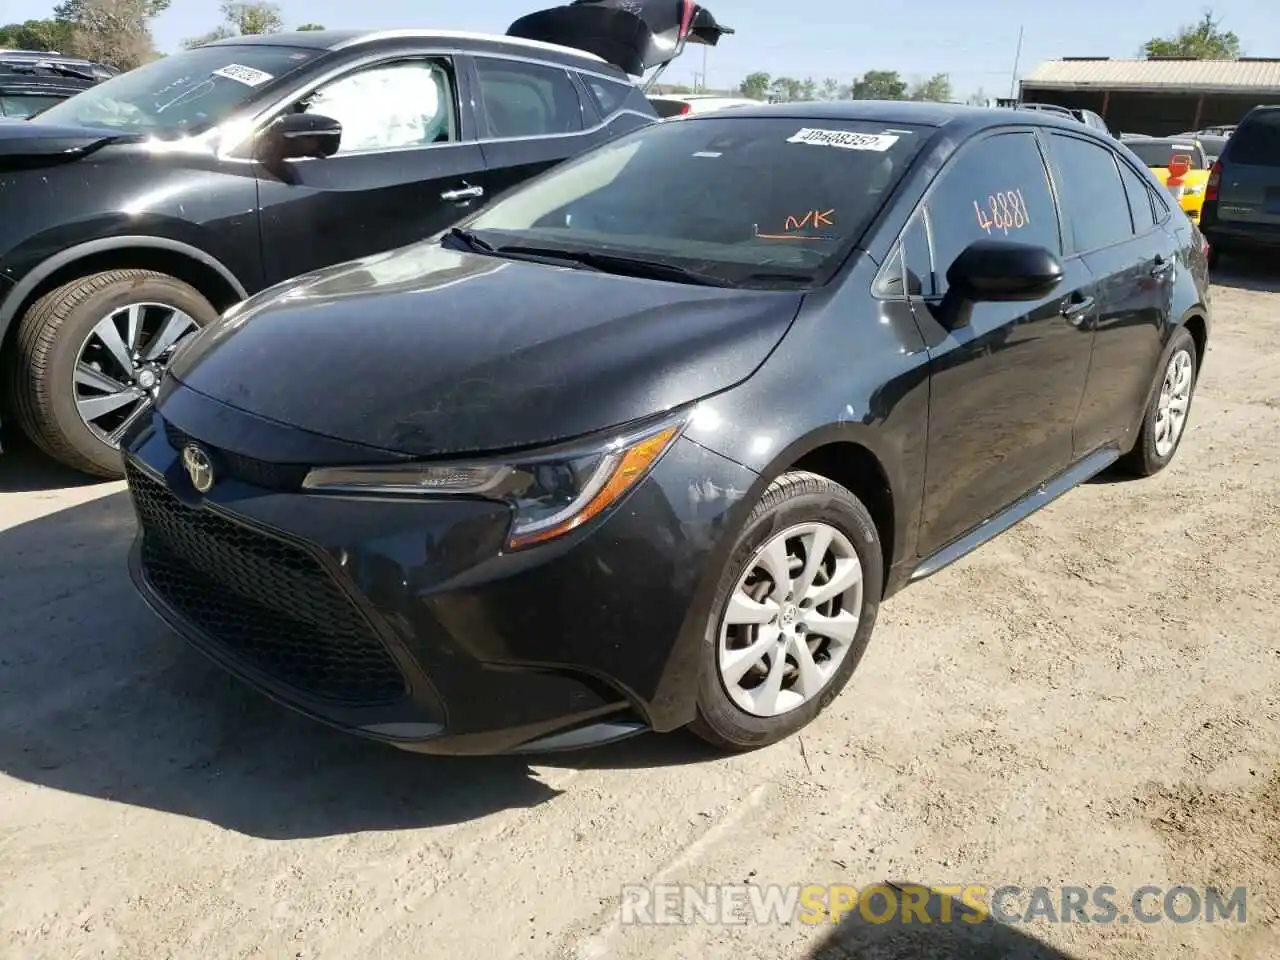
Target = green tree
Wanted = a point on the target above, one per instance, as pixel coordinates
(937, 87)
(756, 85)
(311, 26)
(1205, 40)
(879, 85)
(117, 32)
(243, 19)
(786, 90)
(42, 35)
(830, 89)
(978, 98)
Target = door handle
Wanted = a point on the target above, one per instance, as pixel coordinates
(462, 193)
(1075, 310)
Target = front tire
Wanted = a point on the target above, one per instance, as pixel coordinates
(1165, 422)
(89, 357)
(792, 615)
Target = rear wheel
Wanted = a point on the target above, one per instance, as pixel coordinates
(1166, 419)
(793, 613)
(89, 359)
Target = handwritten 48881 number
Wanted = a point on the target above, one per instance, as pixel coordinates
(1004, 211)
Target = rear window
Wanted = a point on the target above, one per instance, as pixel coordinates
(751, 201)
(1158, 153)
(1256, 142)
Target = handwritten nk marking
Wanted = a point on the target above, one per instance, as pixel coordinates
(814, 218)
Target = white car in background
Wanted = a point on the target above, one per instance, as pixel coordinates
(680, 104)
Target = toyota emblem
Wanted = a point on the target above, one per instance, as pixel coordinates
(199, 467)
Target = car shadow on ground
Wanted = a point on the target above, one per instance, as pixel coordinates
(98, 698)
(956, 934)
(1255, 272)
(24, 469)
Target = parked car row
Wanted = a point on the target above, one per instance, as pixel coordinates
(138, 210)
(683, 104)
(31, 81)
(644, 443)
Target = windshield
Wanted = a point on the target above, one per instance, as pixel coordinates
(737, 200)
(182, 94)
(1158, 153)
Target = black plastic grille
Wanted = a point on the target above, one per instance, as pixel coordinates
(260, 473)
(265, 600)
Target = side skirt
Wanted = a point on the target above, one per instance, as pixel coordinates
(1016, 512)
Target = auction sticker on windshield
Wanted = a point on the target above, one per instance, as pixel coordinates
(844, 139)
(246, 75)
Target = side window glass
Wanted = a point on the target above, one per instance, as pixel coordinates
(406, 104)
(1140, 207)
(889, 282)
(610, 97)
(1093, 198)
(916, 259)
(527, 99)
(995, 189)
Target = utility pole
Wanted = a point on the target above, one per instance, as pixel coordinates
(704, 67)
(1017, 57)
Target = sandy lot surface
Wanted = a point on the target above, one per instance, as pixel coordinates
(1094, 698)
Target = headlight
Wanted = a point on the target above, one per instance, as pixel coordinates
(552, 492)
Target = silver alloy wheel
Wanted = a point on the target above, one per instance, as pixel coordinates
(791, 619)
(1175, 398)
(121, 363)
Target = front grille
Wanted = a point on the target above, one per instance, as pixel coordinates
(265, 600)
(260, 473)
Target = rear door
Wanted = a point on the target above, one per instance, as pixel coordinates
(1004, 390)
(1111, 220)
(1249, 183)
(407, 167)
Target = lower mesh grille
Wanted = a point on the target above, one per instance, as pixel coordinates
(265, 600)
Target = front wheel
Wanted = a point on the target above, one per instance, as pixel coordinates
(89, 359)
(793, 613)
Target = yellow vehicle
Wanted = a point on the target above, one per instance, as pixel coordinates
(1180, 164)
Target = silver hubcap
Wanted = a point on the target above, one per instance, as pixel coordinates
(1175, 398)
(791, 619)
(121, 364)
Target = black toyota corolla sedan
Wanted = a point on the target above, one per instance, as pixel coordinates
(646, 442)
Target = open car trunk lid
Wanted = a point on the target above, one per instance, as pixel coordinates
(633, 35)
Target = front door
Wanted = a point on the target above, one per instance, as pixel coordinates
(1110, 218)
(1004, 390)
(405, 169)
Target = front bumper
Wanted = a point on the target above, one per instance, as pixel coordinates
(401, 619)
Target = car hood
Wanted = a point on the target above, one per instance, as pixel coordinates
(429, 351)
(24, 142)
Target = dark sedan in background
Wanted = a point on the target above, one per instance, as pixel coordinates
(645, 443)
(32, 81)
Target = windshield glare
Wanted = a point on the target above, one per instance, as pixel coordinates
(750, 201)
(1160, 152)
(179, 95)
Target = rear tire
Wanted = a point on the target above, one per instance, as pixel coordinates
(62, 361)
(1161, 433)
(799, 648)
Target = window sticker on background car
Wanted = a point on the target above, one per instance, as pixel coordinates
(844, 139)
(241, 74)
(711, 154)
(1004, 211)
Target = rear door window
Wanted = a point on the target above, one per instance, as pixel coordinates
(1094, 203)
(1140, 204)
(609, 95)
(1256, 142)
(527, 99)
(995, 189)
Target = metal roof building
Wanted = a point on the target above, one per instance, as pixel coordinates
(1161, 96)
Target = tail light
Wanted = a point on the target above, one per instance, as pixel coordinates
(686, 109)
(1215, 175)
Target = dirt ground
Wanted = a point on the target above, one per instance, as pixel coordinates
(1094, 698)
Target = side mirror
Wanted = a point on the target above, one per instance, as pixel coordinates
(990, 271)
(298, 135)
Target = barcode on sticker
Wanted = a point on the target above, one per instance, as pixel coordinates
(246, 75)
(844, 139)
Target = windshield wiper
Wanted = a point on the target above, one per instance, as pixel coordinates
(613, 263)
(470, 240)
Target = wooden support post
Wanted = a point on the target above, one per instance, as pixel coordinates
(1106, 99)
(1195, 124)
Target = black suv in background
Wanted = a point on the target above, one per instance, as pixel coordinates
(1242, 199)
(139, 210)
(31, 81)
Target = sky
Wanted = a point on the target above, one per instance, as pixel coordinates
(975, 41)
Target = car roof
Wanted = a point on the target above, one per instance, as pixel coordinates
(964, 118)
(343, 39)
